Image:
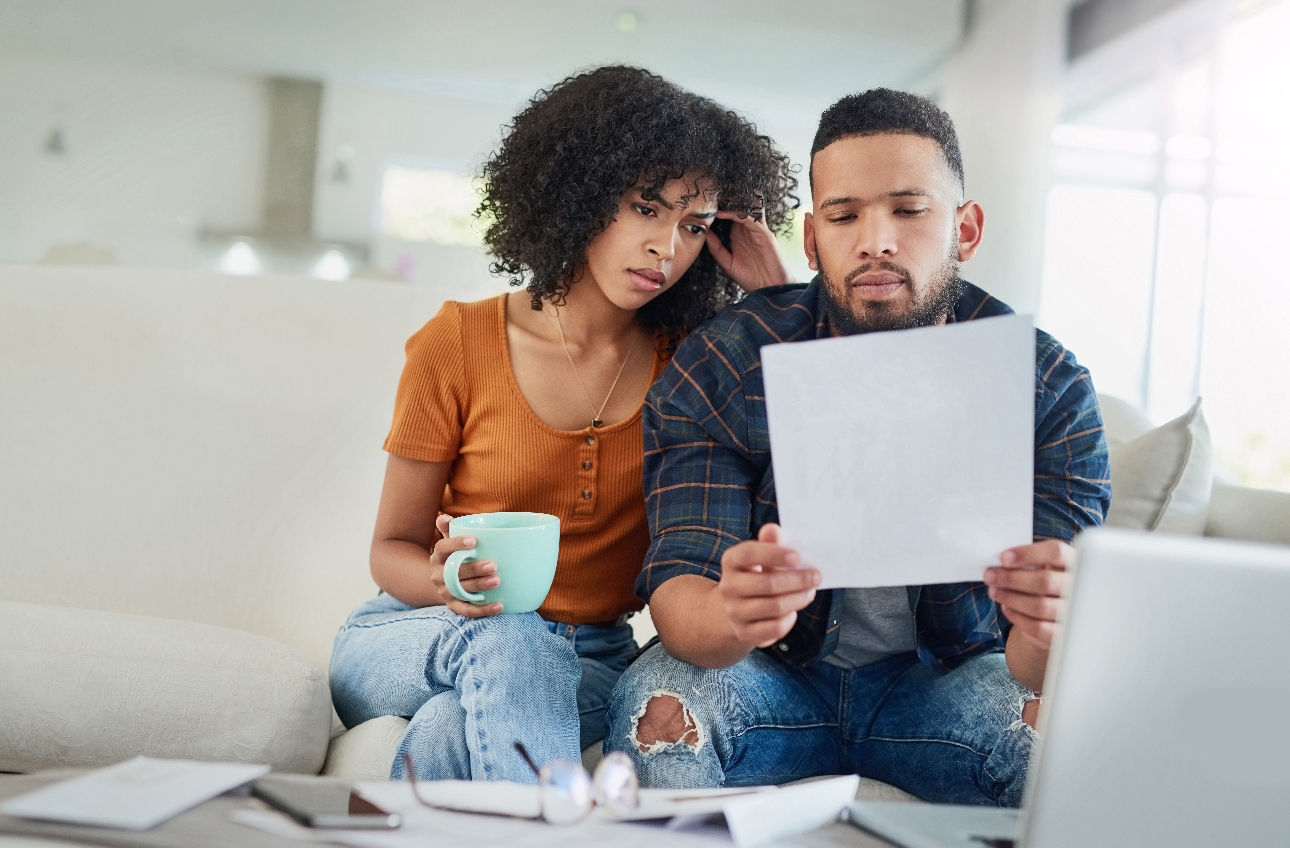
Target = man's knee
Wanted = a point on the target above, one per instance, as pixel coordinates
(663, 721)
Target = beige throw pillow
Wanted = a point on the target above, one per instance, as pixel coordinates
(1162, 479)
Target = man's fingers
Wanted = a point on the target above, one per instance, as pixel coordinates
(1052, 553)
(748, 555)
(773, 608)
(1038, 581)
(1040, 631)
(1035, 606)
(763, 634)
(763, 584)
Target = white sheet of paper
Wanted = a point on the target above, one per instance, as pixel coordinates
(904, 458)
(134, 795)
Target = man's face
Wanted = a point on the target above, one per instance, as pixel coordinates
(887, 233)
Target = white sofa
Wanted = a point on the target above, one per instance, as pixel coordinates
(189, 471)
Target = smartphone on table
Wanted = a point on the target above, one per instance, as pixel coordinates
(321, 803)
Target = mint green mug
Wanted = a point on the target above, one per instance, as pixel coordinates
(524, 545)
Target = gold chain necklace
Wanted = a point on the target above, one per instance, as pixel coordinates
(595, 413)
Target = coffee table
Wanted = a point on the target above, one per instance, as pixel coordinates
(210, 826)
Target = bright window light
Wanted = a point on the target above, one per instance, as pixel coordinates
(240, 259)
(419, 204)
(1180, 287)
(332, 266)
(1106, 139)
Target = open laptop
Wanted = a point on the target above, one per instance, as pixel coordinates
(1169, 718)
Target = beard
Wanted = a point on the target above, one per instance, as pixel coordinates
(929, 307)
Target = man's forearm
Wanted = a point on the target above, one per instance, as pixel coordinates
(692, 624)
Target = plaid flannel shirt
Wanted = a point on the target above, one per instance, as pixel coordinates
(709, 485)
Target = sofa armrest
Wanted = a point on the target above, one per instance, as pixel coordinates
(1255, 515)
(88, 688)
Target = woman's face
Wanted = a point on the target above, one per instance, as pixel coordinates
(650, 244)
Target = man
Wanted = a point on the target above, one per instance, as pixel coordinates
(759, 677)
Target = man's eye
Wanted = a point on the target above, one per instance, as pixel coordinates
(911, 212)
(842, 219)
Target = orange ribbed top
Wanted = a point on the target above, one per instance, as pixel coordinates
(458, 402)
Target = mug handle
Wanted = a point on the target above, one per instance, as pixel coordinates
(450, 578)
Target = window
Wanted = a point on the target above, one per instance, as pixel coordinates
(1165, 266)
(428, 205)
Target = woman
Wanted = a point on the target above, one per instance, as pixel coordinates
(602, 201)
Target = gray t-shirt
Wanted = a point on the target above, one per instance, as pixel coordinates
(876, 624)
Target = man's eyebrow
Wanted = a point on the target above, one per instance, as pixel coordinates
(837, 201)
(910, 192)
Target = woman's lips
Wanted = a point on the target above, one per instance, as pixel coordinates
(647, 279)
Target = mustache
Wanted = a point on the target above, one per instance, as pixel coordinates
(892, 267)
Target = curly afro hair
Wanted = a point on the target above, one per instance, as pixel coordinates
(567, 159)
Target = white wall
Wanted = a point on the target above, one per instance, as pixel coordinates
(153, 156)
(1003, 91)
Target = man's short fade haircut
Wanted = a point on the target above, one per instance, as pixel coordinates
(880, 111)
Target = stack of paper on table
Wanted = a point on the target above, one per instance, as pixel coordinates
(751, 816)
(135, 795)
(904, 458)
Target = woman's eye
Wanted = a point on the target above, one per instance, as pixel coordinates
(643, 209)
(696, 229)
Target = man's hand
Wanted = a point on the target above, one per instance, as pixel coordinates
(762, 587)
(1028, 585)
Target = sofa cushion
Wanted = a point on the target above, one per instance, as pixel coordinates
(366, 751)
(1256, 515)
(1162, 479)
(89, 688)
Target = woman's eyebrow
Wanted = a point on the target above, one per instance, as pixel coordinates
(703, 215)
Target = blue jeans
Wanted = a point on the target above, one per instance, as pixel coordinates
(471, 688)
(949, 738)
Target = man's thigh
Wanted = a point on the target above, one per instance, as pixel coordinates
(758, 721)
(952, 737)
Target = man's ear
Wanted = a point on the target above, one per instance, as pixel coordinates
(808, 241)
(970, 224)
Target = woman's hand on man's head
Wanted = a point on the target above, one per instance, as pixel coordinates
(753, 260)
(475, 576)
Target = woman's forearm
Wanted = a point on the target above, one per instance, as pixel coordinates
(402, 569)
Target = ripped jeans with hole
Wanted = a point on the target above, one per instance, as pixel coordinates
(952, 737)
(471, 688)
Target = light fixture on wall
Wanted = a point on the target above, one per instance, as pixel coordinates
(332, 266)
(628, 21)
(340, 169)
(240, 259)
(56, 141)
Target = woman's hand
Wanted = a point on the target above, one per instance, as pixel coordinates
(475, 575)
(753, 260)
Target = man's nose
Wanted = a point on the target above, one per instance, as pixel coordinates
(877, 235)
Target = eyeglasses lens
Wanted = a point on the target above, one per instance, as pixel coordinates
(565, 790)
